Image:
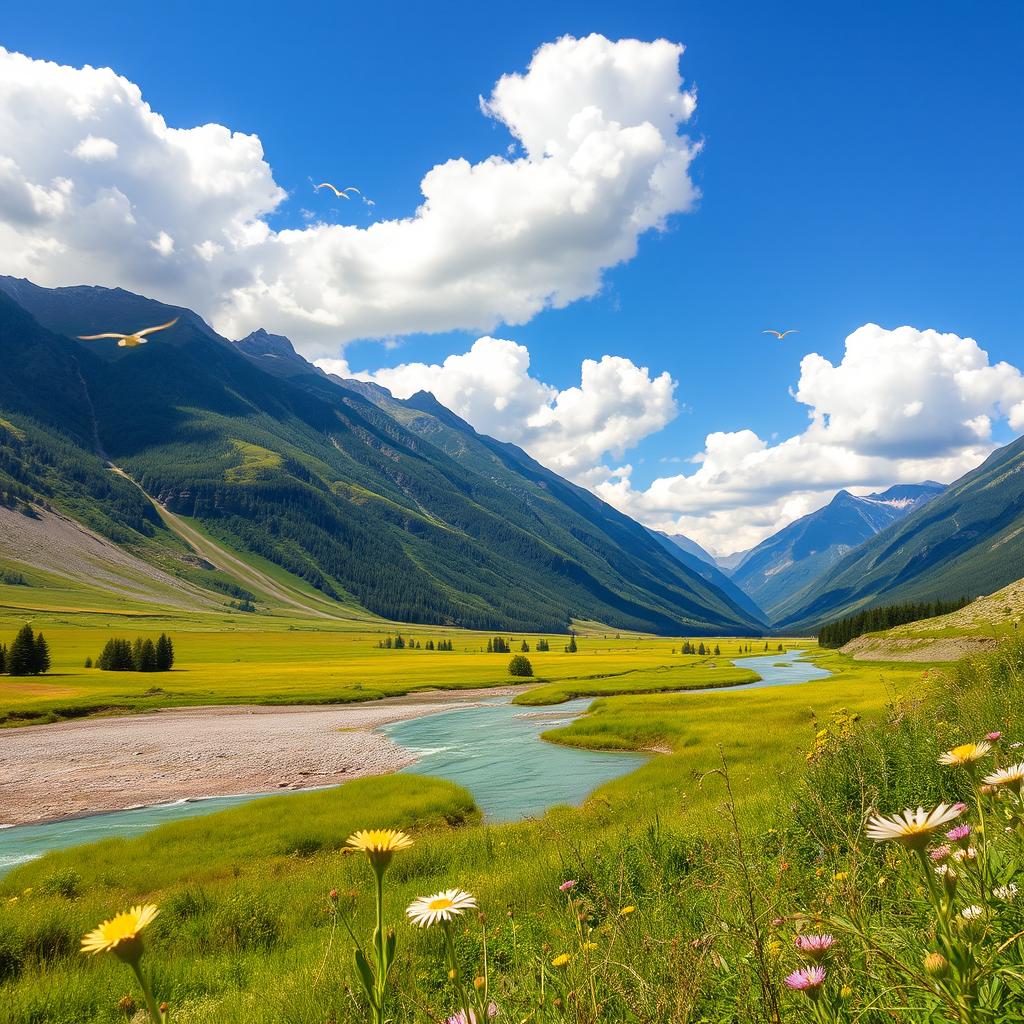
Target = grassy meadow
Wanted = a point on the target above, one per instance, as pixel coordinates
(691, 871)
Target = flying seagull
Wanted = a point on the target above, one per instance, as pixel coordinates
(781, 334)
(130, 340)
(342, 193)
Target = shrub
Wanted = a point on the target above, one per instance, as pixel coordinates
(66, 882)
(519, 665)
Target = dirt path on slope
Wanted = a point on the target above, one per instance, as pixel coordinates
(224, 560)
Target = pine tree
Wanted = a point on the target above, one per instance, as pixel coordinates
(718, 650)
(572, 648)
(524, 647)
(164, 653)
(490, 646)
(137, 654)
(88, 663)
(3, 659)
(543, 645)
(22, 654)
(700, 648)
(40, 656)
(147, 657)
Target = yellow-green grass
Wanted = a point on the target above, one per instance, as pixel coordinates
(224, 658)
(650, 839)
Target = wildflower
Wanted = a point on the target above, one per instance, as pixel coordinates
(589, 946)
(127, 1005)
(970, 853)
(561, 960)
(960, 806)
(1006, 893)
(993, 737)
(936, 965)
(1012, 777)
(972, 913)
(460, 1017)
(379, 845)
(443, 907)
(333, 895)
(121, 935)
(807, 980)
(940, 853)
(845, 992)
(567, 885)
(948, 877)
(911, 829)
(626, 911)
(841, 876)
(814, 947)
(966, 755)
(958, 834)
(1016, 745)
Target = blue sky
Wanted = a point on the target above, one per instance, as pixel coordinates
(860, 163)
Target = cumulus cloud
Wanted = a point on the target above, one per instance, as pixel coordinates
(902, 405)
(615, 406)
(96, 187)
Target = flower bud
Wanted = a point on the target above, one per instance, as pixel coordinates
(936, 965)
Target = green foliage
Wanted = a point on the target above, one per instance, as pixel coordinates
(28, 655)
(519, 665)
(142, 655)
(835, 634)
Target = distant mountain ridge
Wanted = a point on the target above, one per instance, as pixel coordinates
(399, 507)
(788, 562)
(967, 541)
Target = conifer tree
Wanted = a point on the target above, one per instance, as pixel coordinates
(22, 654)
(572, 648)
(525, 647)
(164, 653)
(147, 657)
(40, 655)
(3, 659)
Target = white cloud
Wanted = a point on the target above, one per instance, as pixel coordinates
(901, 406)
(615, 406)
(91, 176)
(94, 147)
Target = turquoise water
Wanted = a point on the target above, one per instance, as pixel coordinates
(493, 749)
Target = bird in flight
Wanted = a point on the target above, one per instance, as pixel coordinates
(781, 334)
(130, 340)
(341, 193)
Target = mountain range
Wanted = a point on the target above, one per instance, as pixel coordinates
(396, 507)
(785, 564)
(400, 509)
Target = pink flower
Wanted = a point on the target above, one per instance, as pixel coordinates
(814, 947)
(567, 885)
(808, 980)
(958, 834)
(940, 852)
(460, 1017)
(993, 736)
(960, 807)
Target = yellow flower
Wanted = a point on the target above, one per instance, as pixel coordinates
(379, 845)
(965, 755)
(121, 935)
(626, 911)
(561, 960)
(589, 945)
(840, 876)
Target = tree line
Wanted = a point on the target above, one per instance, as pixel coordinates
(28, 655)
(399, 643)
(842, 631)
(140, 655)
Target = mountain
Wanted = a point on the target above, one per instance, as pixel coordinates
(792, 559)
(399, 508)
(967, 541)
(703, 564)
(691, 547)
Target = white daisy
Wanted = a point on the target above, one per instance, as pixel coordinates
(1006, 893)
(442, 906)
(912, 829)
(1012, 777)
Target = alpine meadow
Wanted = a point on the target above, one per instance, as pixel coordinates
(511, 515)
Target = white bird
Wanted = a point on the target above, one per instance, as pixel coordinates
(781, 334)
(342, 193)
(130, 340)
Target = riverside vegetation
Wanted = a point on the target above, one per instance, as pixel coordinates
(700, 883)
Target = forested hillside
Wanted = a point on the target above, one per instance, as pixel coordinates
(399, 506)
